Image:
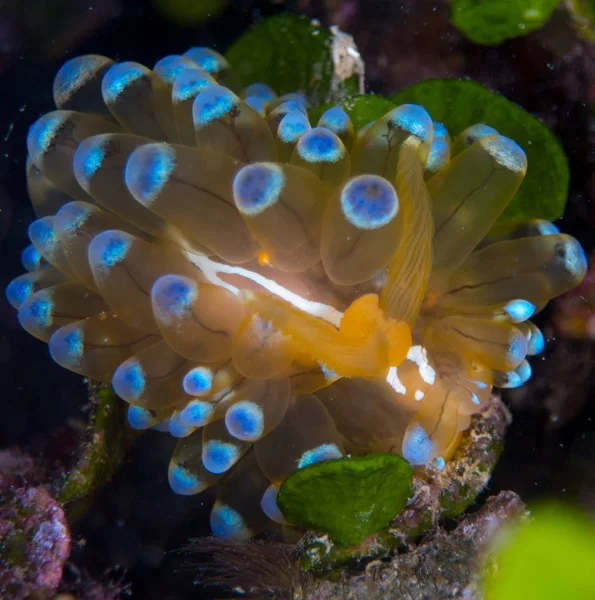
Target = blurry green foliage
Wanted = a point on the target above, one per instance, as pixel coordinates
(459, 104)
(190, 12)
(493, 21)
(286, 52)
(549, 558)
(349, 498)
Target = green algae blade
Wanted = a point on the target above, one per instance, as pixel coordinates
(286, 52)
(362, 109)
(349, 498)
(436, 496)
(550, 557)
(460, 103)
(493, 21)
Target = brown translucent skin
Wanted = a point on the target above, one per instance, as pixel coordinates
(272, 296)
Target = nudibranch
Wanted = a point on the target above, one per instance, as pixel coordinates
(271, 291)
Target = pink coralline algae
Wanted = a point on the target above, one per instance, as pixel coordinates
(34, 535)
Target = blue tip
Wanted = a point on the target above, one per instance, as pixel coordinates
(189, 83)
(183, 482)
(289, 106)
(335, 119)
(43, 132)
(506, 152)
(88, 158)
(269, 506)
(141, 418)
(198, 381)
(107, 250)
(148, 169)
(115, 251)
(67, 345)
(260, 90)
(519, 310)
(228, 523)
(74, 73)
(207, 59)
(213, 103)
(245, 421)
(321, 145)
(524, 371)
(517, 350)
(440, 150)
(118, 77)
(41, 233)
(129, 380)
(296, 97)
(258, 104)
(547, 228)
(258, 186)
(318, 454)
(439, 155)
(440, 130)
(37, 312)
(169, 67)
(369, 202)
(196, 413)
(536, 342)
(178, 427)
(172, 297)
(476, 132)
(509, 380)
(292, 127)
(18, 290)
(31, 259)
(571, 256)
(413, 119)
(219, 456)
(418, 448)
(72, 216)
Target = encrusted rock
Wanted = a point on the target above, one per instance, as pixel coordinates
(34, 535)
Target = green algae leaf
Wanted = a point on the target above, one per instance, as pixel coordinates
(349, 498)
(493, 21)
(549, 558)
(361, 109)
(286, 52)
(461, 103)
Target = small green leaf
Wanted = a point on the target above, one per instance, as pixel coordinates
(458, 104)
(493, 21)
(361, 109)
(549, 558)
(286, 52)
(349, 498)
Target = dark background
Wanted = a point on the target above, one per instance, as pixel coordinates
(136, 524)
